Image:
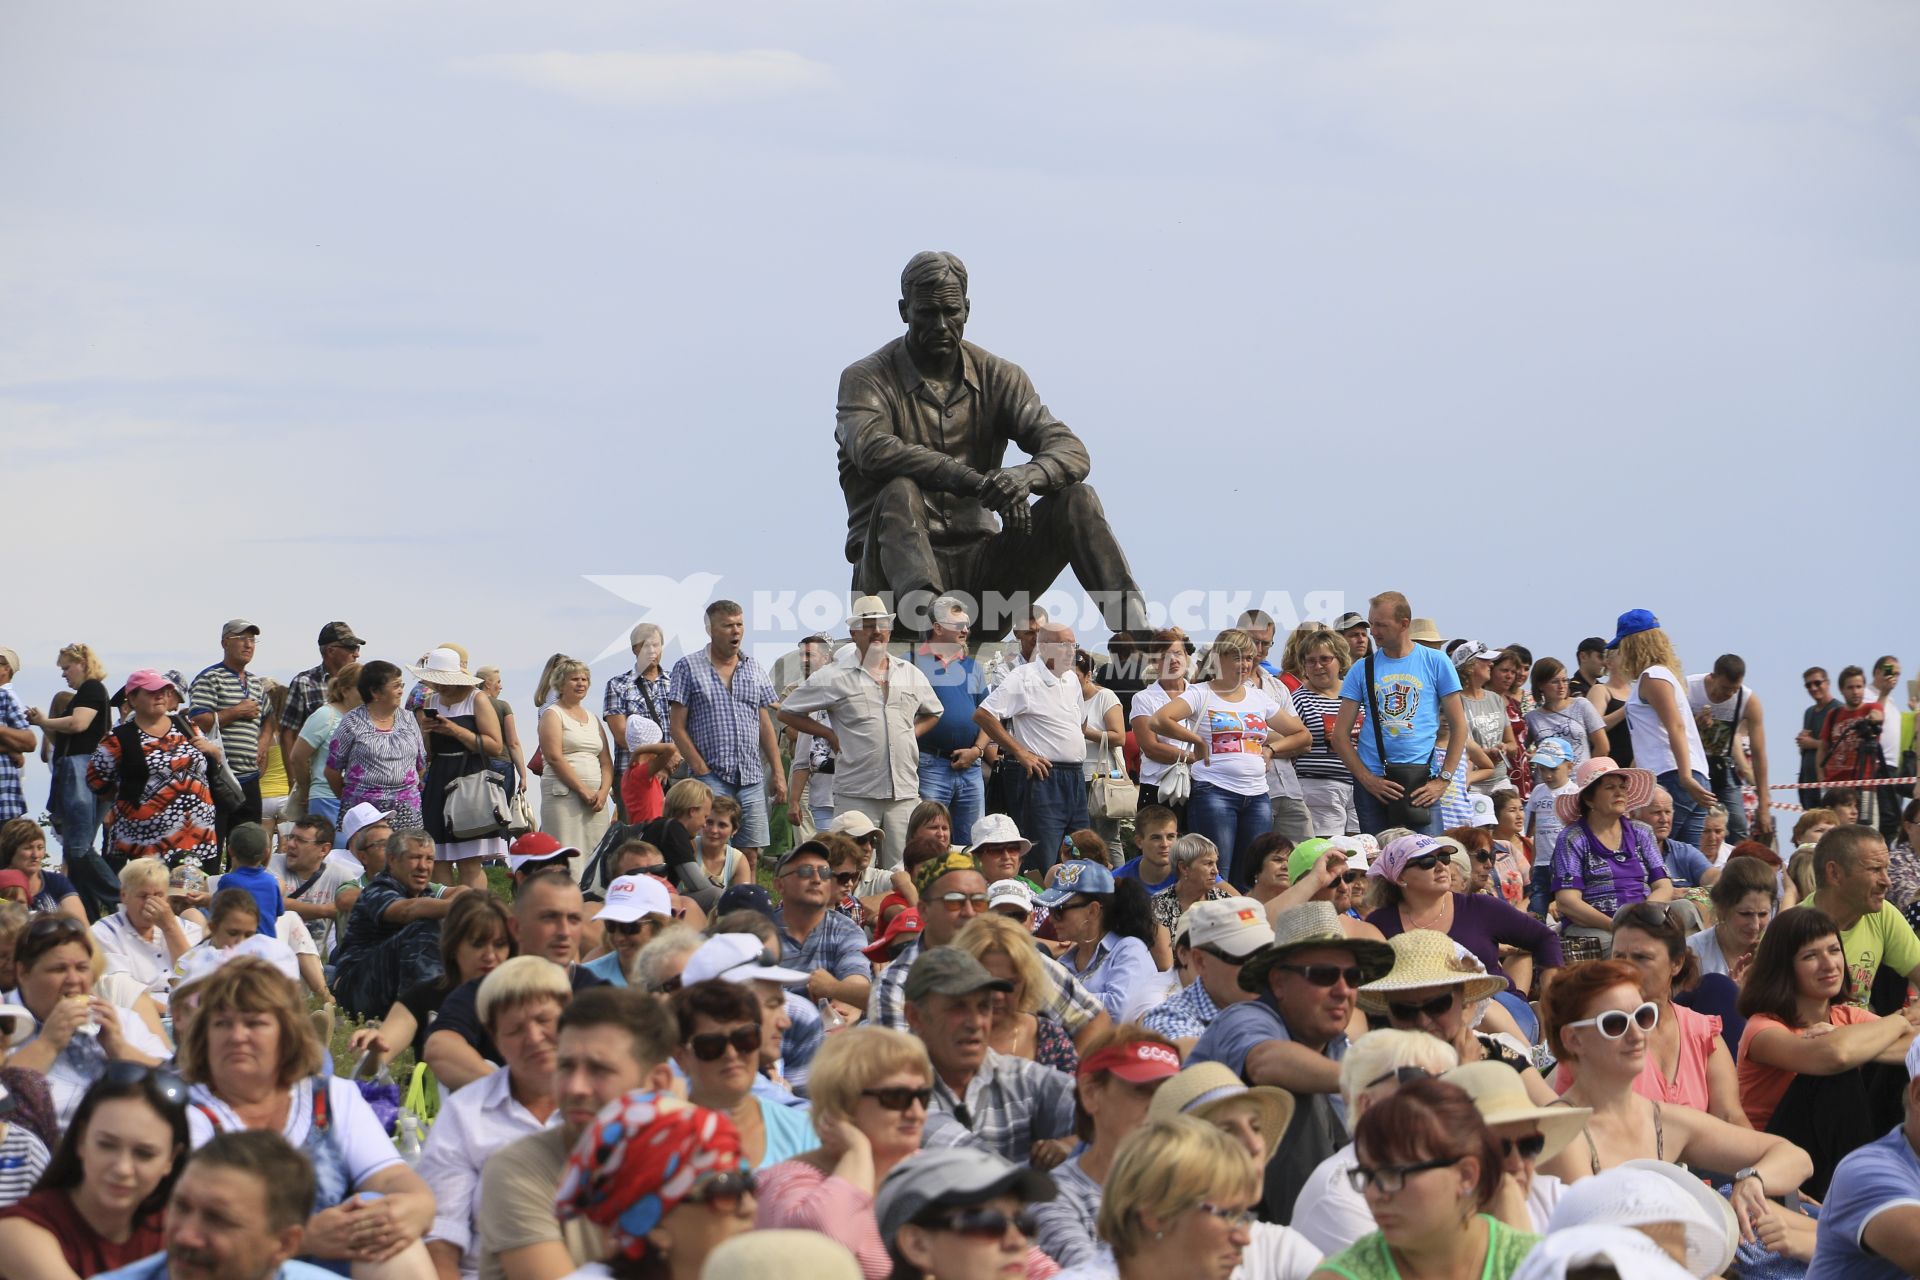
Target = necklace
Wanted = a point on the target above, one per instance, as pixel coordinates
(1432, 914)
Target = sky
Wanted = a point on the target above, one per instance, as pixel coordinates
(513, 324)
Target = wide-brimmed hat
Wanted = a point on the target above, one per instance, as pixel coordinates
(1640, 786)
(755, 1254)
(1500, 1096)
(1710, 1261)
(1425, 629)
(1426, 958)
(1198, 1089)
(870, 609)
(1641, 1196)
(442, 666)
(1313, 924)
(997, 828)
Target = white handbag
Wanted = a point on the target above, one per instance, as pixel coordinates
(1113, 795)
(1176, 784)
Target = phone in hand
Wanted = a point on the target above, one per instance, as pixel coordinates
(430, 713)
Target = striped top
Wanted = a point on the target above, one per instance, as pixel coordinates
(23, 1158)
(220, 687)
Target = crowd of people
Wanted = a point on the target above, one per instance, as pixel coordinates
(1373, 954)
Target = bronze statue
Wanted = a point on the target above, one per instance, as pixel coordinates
(923, 428)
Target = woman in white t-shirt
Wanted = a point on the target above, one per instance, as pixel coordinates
(1173, 654)
(1242, 727)
(1106, 732)
(1666, 739)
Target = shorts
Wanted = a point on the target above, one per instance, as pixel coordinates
(752, 798)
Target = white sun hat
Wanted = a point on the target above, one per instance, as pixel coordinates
(442, 666)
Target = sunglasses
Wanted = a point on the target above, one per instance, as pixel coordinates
(1816, 684)
(1402, 1075)
(710, 1046)
(1529, 1147)
(846, 879)
(1483, 857)
(1325, 975)
(1613, 1023)
(899, 1097)
(165, 1083)
(1409, 1012)
(808, 872)
(625, 928)
(658, 871)
(722, 1191)
(954, 901)
(1353, 877)
(987, 1224)
(1425, 862)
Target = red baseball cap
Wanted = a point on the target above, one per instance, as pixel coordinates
(906, 923)
(16, 880)
(1136, 1062)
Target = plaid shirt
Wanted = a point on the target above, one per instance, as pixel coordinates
(1010, 1104)
(836, 945)
(723, 722)
(1185, 1016)
(13, 797)
(627, 697)
(305, 695)
(1071, 1004)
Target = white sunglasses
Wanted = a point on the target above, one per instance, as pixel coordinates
(1614, 1022)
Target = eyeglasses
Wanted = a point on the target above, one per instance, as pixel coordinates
(1529, 1147)
(1425, 862)
(1390, 1179)
(54, 923)
(1409, 1012)
(1402, 1075)
(1325, 975)
(808, 872)
(722, 1191)
(710, 1046)
(1235, 1219)
(954, 901)
(899, 1097)
(987, 1224)
(1613, 1023)
(165, 1083)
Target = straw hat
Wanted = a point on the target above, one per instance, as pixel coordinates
(442, 666)
(1313, 924)
(755, 1254)
(1639, 787)
(1500, 1095)
(1426, 958)
(1425, 629)
(1198, 1089)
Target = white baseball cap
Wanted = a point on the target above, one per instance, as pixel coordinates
(1237, 926)
(1482, 810)
(736, 957)
(853, 823)
(631, 898)
(359, 818)
(1018, 892)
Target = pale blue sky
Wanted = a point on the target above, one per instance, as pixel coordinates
(416, 314)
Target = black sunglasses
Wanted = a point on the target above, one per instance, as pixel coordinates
(1353, 877)
(1529, 1148)
(987, 1224)
(658, 871)
(625, 928)
(899, 1097)
(846, 878)
(1402, 1075)
(1408, 1012)
(1326, 975)
(723, 1191)
(710, 1046)
(165, 1083)
(1425, 862)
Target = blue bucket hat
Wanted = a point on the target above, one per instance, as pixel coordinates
(1632, 623)
(1076, 877)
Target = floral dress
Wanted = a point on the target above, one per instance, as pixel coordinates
(379, 767)
(172, 816)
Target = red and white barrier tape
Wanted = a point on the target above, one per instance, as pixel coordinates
(1853, 784)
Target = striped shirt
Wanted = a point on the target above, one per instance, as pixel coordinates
(220, 687)
(1009, 1104)
(23, 1158)
(1318, 712)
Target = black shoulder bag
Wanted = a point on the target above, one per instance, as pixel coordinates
(1411, 777)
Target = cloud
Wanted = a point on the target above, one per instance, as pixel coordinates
(632, 77)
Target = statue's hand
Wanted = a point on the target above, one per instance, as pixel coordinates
(1005, 489)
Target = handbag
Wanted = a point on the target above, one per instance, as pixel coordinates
(1112, 795)
(222, 782)
(1176, 784)
(1402, 812)
(477, 804)
(523, 820)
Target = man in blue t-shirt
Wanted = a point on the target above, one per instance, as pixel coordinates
(1870, 1226)
(950, 752)
(1413, 686)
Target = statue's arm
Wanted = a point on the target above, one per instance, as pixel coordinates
(868, 438)
(1056, 458)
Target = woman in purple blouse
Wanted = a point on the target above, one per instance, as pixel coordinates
(1603, 862)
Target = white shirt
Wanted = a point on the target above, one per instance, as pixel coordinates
(364, 1144)
(1044, 712)
(1146, 704)
(1652, 750)
(1706, 945)
(146, 962)
(879, 751)
(474, 1122)
(322, 892)
(66, 1086)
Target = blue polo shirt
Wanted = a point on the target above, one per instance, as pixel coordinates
(961, 689)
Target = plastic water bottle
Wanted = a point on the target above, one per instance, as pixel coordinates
(830, 1018)
(411, 1139)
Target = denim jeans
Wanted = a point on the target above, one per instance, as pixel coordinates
(77, 812)
(963, 791)
(752, 798)
(1731, 799)
(1539, 890)
(1688, 816)
(1046, 809)
(328, 807)
(1232, 821)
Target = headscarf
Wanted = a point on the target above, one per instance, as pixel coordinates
(642, 1156)
(1394, 858)
(933, 868)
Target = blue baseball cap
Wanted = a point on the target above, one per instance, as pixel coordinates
(1552, 752)
(1076, 877)
(745, 897)
(1632, 623)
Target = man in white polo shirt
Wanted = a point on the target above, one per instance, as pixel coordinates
(1043, 743)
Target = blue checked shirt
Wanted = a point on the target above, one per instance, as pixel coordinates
(1185, 1016)
(627, 697)
(13, 797)
(723, 722)
(1010, 1104)
(1071, 1004)
(836, 945)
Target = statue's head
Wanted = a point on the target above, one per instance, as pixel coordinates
(933, 302)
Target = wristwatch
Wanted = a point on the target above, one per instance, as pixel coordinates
(1446, 776)
(1748, 1172)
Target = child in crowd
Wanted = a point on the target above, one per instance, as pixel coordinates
(247, 851)
(1553, 776)
(1512, 851)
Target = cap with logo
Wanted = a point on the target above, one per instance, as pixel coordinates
(536, 846)
(1076, 877)
(1550, 753)
(632, 898)
(1017, 892)
(1237, 926)
(905, 925)
(1136, 1062)
(1472, 649)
